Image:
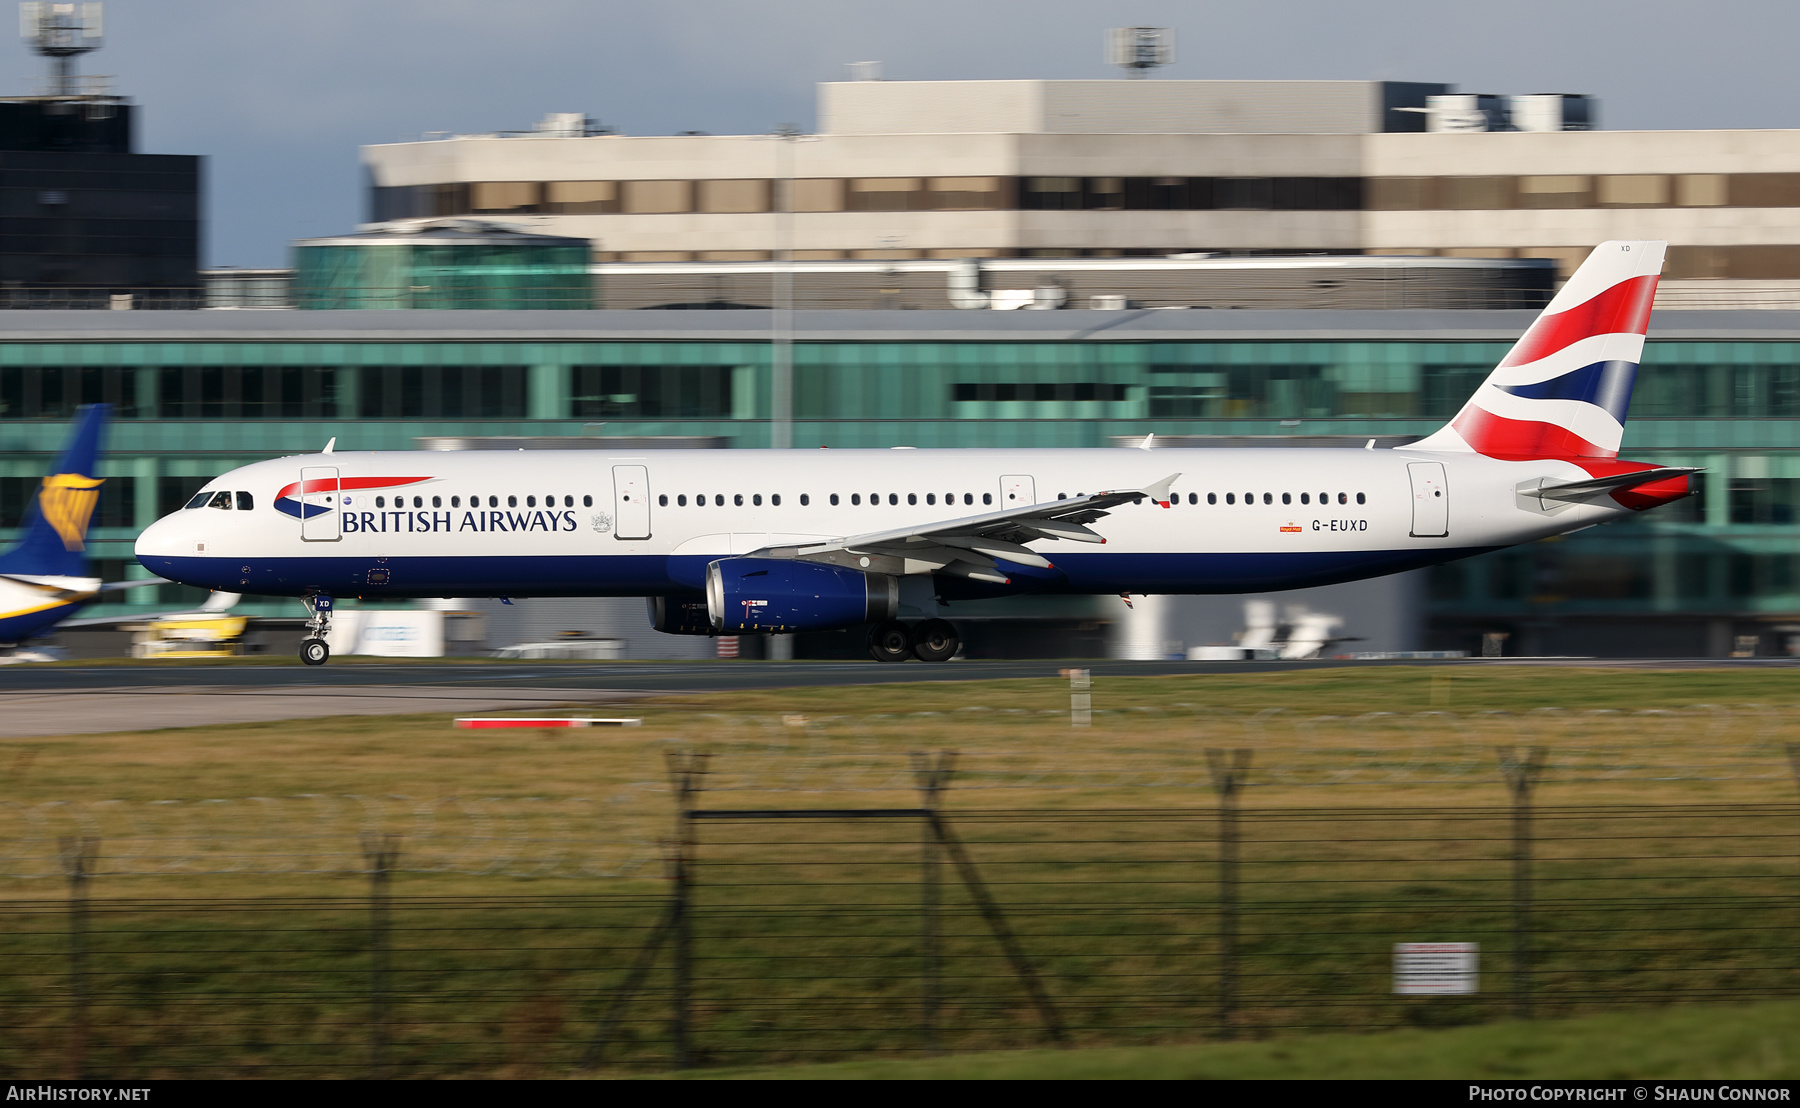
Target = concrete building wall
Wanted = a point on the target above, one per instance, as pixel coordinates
(1101, 107)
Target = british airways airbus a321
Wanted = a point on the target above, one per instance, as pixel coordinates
(779, 541)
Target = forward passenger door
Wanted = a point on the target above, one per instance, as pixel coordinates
(321, 518)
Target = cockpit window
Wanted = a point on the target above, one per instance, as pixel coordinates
(244, 502)
(199, 500)
(220, 500)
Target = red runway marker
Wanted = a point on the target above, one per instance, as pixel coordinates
(557, 721)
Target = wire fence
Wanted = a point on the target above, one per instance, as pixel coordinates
(784, 929)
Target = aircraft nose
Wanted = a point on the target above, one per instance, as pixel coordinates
(158, 540)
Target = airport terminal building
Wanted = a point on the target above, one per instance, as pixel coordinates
(1347, 272)
(198, 393)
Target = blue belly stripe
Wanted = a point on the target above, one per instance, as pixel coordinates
(661, 575)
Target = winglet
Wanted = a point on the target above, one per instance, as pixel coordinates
(1148, 439)
(329, 445)
(1159, 492)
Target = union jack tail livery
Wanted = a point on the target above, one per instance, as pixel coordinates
(1564, 388)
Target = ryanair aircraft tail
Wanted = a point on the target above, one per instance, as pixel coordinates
(53, 539)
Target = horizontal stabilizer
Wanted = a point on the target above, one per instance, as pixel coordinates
(1599, 486)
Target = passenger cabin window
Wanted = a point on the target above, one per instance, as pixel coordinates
(987, 498)
(1305, 498)
(1359, 498)
(1231, 498)
(511, 502)
(804, 500)
(1342, 499)
(1212, 498)
(774, 500)
(856, 498)
(1287, 498)
(437, 502)
(587, 502)
(244, 502)
(381, 502)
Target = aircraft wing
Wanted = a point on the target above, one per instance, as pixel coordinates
(213, 605)
(973, 545)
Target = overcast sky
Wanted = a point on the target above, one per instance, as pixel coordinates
(278, 95)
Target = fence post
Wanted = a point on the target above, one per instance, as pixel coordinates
(78, 857)
(685, 771)
(381, 852)
(932, 776)
(1793, 753)
(1228, 775)
(1521, 772)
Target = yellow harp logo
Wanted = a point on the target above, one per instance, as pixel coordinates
(67, 501)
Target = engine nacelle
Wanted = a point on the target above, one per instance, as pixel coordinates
(776, 594)
(680, 615)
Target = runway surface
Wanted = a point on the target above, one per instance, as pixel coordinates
(704, 676)
(126, 708)
(100, 698)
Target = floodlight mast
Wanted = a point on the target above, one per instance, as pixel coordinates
(62, 33)
(1138, 50)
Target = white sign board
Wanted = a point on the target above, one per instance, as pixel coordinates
(1436, 969)
(407, 634)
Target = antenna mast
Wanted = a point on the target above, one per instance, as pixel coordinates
(1138, 50)
(62, 32)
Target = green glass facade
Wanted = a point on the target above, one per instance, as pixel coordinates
(389, 274)
(191, 409)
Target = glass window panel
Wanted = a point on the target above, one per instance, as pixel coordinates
(818, 195)
(734, 196)
(652, 197)
(581, 197)
(1632, 190)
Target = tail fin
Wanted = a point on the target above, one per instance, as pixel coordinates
(1564, 388)
(53, 541)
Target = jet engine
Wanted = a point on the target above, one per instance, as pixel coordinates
(775, 594)
(680, 615)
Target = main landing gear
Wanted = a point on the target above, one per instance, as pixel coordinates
(313, 650)
(934, 640)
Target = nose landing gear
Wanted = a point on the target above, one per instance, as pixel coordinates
(313, 650)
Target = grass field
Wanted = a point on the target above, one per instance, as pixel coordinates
(1752, 1042)
(531, 867)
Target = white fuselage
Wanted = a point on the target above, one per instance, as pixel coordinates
(596, 523)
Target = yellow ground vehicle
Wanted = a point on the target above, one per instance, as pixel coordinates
(191, 637)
